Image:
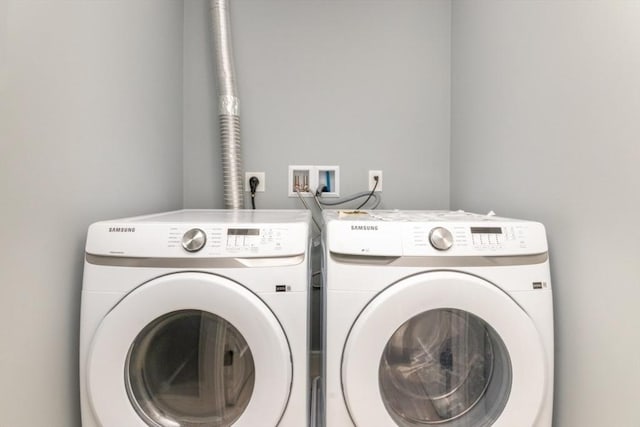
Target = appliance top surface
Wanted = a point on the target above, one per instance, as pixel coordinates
(411, 216)
(222, 216)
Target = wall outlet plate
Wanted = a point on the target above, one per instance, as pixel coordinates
(372, 181)
(262, 186)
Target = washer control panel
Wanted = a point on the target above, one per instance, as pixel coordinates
(493, 238)
(441, 238)
(470, 239)
(431, 233)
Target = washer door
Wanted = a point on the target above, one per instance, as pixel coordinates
(189, 350)
(443, 349)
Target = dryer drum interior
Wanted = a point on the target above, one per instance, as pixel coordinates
(190, 368)
(445, 367)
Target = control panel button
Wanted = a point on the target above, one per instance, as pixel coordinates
(441, 238)
(194, 240)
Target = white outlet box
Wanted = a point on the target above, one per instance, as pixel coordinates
(328, 180)
(299, 178)
(262, 185)
(372, 181)
(308, 178)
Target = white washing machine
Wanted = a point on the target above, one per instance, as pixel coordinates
(196, 318)
(437, 319)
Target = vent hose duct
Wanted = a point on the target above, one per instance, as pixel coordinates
(228, 106)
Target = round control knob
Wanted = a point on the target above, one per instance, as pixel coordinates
(194, 240)
(441, 238)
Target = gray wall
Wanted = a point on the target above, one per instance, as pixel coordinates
(363, 84)
(544, 102)
(90, 128)
(545, 125)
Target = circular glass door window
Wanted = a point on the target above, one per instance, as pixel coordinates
(445, 367)
(190, 368)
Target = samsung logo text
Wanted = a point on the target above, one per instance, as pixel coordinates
(365, 227)
(122, 229)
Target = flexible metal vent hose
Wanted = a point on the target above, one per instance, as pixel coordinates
(228, 106)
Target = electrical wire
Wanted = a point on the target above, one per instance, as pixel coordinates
(253, 186)
(320, 202)
(347, 199)
(371, 194)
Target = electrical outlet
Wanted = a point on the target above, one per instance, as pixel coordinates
(372, 181)
(261, 177)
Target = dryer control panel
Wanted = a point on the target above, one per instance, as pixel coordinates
(242, 241)
(255, 239)
(199, 235)
(233, 241)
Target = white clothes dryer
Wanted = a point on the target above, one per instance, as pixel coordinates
(196, 318)
(436, 318)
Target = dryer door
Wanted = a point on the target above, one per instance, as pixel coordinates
(443, 349)
(189, 350)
